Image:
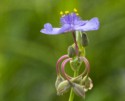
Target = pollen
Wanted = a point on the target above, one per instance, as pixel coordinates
(61, 13)
(75, 10)
(66, 12)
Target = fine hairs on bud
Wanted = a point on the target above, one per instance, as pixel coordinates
(84, 40)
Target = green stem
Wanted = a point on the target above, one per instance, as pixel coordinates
(71, 97)
(77, 40)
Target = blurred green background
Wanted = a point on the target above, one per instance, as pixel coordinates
(28, 58)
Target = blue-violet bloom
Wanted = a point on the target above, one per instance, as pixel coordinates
(71, 22)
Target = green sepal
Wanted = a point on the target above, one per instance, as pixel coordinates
(87, 83)
(63, 87)
(79, 90)
(59, 79)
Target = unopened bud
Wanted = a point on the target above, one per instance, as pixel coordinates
(63, 87)
(71, 51)
(87, 82)
(59, 79)
(79, 90)
(84, 40)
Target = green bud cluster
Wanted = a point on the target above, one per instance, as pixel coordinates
(80, 83)
(63, 86)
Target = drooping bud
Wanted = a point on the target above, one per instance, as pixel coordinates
(63, 87)
(71, 51)
(84, 40)
(75, 64)
(59, 79)
(79, 90)
(87, 82)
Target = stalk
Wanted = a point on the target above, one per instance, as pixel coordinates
(71, 97)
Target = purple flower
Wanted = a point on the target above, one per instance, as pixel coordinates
(71, 22)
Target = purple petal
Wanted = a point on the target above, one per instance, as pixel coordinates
(80, 23)
(48, 29)
(65, 28)
(92, 24)
(76, 20)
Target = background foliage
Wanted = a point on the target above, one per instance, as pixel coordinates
(27, 57)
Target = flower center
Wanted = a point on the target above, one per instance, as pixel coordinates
(69, 18)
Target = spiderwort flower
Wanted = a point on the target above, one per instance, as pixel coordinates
(71, 22)
(79, 83)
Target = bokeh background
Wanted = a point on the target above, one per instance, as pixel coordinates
(28, 58)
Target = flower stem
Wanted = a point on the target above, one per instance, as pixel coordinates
(58, 63)
(63, 67)
(71, 97)
(76, 46)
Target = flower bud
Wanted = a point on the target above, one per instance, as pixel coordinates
(59, 79)
(75, 64)
(84, 40)
(71, 51)
(87, 82)
(63, 87)
(79, 90)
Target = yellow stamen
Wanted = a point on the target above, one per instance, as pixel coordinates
(75, 10)
(66, 12)
(61, 13)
